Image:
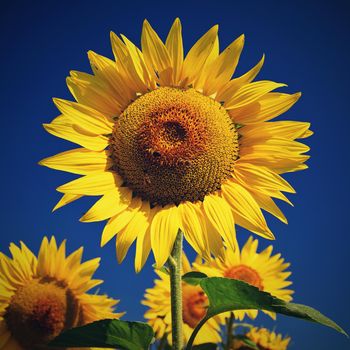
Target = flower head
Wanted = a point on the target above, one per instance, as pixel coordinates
(45, 295)
(195, 303)
(262, 270)
(264, 339)
(172, 142)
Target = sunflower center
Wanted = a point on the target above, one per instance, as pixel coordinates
(195, 304)
(173, 145)
(246, 274)
(39, 311)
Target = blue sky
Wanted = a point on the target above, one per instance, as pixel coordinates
(306, 46)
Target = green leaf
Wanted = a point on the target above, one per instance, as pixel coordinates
(248, 342)
(194, 277)
(107, 333)
(227, 294)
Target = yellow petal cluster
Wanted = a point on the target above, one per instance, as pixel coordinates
(261, 150)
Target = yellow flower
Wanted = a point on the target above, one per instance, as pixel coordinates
(170, 142)
(262, 270)
(42, 296)
(195, 302)
(265, 340)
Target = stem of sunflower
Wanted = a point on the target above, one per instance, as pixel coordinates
(175, 268)
(229, 330)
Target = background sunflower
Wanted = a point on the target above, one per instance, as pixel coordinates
(264, 339)
(263, 270)
(42, 296)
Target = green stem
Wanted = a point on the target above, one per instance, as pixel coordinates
(175, 268)
(229, 330)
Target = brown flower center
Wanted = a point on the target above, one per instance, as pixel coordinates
(246, 274)
(173, 145)
(195, 304)
(39, 311)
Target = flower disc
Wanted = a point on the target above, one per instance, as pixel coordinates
(246, 274)
(173, 145)
(39, 311)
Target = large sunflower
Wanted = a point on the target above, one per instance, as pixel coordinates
(42, 296)
(262, 270)
(264, 340)
(172, 142)
(195, 303)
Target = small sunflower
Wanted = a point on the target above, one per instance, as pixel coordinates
(174, 143)
(42, 296)
(264, 339)
(195, 303)
(262, 270)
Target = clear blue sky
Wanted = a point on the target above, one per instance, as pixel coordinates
(306, 45)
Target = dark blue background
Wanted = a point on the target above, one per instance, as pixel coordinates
(306, 45)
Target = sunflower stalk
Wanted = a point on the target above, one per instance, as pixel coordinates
(175, 268)
(229, 330)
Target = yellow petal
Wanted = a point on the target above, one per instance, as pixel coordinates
(119, 49)
(246, 209)
(266, 203)
(259, 177)
(62, 120)
(290, 130)
(143, 248)
(156, 54)
(138, 225)
(175, 49)
(164, 228)
(215, 241)
(78, 136)
(186, 265)
(119, 221)
(126, 65)
(207, 334)
(228, 90)
(92, 185)
(79, 161)
(220, 215)
(111, 203)
(193, 226)
(91, 91)
(87, 118)
(223, 67)
(250, 93)
(107, 70)
(139, 63)
(66, 199)
(266, 108)
(198, 55)
(272, 149)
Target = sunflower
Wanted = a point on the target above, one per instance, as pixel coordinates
(42, 296)
(174, 143)
(262, 270)
(195, 303)
(264, 339)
